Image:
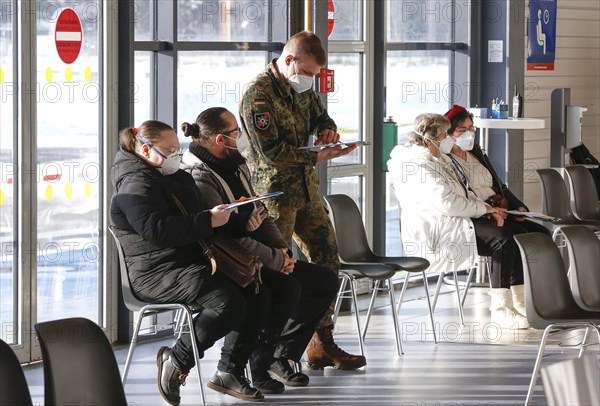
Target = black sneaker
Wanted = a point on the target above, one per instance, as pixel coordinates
(267, 385)
(283, 372)
(235, 385)
(170, 378)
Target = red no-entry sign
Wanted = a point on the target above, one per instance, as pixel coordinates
(330, 17)
(68, 35)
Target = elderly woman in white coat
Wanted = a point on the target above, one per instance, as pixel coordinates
(441, 217)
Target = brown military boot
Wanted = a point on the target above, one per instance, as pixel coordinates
(323, 352)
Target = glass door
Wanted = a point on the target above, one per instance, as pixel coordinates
(51, 177)
(9, 276)
(68, 169)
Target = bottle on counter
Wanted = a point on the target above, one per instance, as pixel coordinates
(517, 104)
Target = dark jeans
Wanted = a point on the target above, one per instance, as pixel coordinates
(498, 242)
(229, 311)
(298, 302)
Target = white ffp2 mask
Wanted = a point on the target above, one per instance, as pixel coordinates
(300, 83)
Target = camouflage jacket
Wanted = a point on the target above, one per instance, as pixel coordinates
(277, 121)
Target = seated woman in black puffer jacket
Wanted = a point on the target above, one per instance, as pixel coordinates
(166, 264)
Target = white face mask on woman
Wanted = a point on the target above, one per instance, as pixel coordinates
(445, 145)
(300, 83)
(466, 141)
(170, 164)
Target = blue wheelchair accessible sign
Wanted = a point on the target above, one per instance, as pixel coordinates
(541, 31)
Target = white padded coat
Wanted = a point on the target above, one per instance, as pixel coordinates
(436, 209)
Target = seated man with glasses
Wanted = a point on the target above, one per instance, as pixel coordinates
(299, 292)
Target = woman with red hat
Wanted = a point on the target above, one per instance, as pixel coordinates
(483, 180)
(445, 222)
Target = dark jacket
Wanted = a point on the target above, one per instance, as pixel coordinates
(164, 260)
(266, 241)
(498, 186)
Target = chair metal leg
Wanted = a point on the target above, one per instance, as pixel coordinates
(538, 363)
(348, 280)
(547, 331)
(437, 290)
(179, 322)
(401, 298)
(192, 332)
(467, 285)
(585, 337)
(134, 339)
(460, 308)
(390, 289)
(356, 314)
(488, 266)
(341, 295)
(429, 306)
(376, 289)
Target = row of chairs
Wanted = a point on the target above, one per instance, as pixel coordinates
(79, 367)
(582, 208)
(552, 301)
(360, 263)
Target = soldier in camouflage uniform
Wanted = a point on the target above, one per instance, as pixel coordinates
(279, 112)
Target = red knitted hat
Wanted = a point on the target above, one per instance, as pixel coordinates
(456, 109)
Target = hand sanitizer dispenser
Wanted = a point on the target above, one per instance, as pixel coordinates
(573, 128)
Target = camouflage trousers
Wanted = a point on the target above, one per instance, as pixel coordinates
(312, 231)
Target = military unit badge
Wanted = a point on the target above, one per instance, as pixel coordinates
(262, 120)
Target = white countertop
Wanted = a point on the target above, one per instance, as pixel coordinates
(510, 123)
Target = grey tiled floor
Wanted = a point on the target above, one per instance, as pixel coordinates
(478, 365)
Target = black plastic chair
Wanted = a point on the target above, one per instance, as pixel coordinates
(359, 261)
(183, 324)
(584, 199)
(13, 386)
(548, 298)
(584, 266)
(556, 203)
(79, 364)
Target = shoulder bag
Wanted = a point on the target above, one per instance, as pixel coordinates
(233, 260)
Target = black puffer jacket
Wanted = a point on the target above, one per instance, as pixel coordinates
(499, 187)
(164, 260)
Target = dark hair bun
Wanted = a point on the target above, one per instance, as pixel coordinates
(190, 130)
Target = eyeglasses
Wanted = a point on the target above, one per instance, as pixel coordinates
(463, 130)
(172, 150)
(236, 131)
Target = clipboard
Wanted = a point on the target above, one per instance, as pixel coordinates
(319, 147)
(533, 215)
(252, 199)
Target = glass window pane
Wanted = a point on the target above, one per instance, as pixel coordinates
(417, 82)
(349, 185)
(143, 18)
(348, 20)
(142, 87)
(68, 169)
(223, 21)
(345, 104)
(421, 20)
(8, 270)
(393, 242)
(230, 72)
